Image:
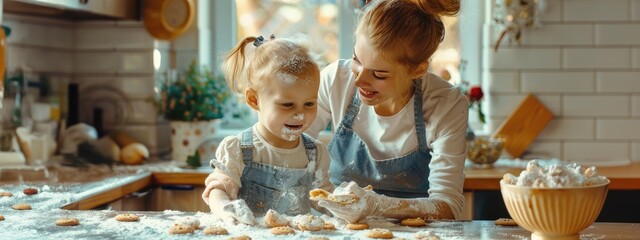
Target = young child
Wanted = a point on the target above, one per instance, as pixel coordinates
(271, 165)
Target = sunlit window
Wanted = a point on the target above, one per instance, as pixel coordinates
(316, 18)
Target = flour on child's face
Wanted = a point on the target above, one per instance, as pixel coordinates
(288, 106)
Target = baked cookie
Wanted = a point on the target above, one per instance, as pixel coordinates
(329, 226)
(21, 206)
(30, 191)
(243, 237)
(6, 194)
(426, 235)
(318, 238)
(1, 218)
(357, 226)
(286, 230)
(308, 222)
(274, 219)
(180, 229)
(189, 221)
(321, 194)
(379, 233)
(67, 222)
(215, 230)
(506, 222)
(413, 222)
(127, 217)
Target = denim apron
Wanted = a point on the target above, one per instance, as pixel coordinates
(404, 176)
(265, 187)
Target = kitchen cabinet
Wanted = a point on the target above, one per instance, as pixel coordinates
(76, 9)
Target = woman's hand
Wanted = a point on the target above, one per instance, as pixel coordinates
(356, 211)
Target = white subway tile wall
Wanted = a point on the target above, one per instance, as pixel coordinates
(583, 63)
(104, 55)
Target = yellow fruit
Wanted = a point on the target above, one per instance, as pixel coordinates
(134, 153)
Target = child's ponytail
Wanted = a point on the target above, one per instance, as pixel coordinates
(235, 64)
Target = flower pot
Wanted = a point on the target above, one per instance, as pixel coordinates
(187, 137)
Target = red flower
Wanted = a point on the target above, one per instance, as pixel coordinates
(475, 94)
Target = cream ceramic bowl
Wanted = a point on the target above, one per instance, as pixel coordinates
(554, 213)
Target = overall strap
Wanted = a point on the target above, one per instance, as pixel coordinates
(419, 118)
(246, 145)
(310, 147)
(352, 110)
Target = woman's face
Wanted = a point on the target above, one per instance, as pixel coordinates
(381, 82)
(287, 107)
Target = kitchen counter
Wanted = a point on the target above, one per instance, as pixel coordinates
(33, 224)
(623, 177)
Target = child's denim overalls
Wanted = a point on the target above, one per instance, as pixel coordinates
(282, 189)
(403, 176)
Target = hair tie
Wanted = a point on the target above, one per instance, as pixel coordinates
(260, 40)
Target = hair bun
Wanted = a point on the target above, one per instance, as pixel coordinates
(439, 7)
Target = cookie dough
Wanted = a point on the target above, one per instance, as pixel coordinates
(127, 217)
(189, 221)
(426, 235)
(379, 233)
(243, 237)
(30, 191)
(321, 194)
(308, 222)
(506, 222)
(274, 219)
(286, 230)
(6, 194)
(413, 222)
(215, 230)
(180, 229)
(357, 226)
(21, 206)
(329, 226)
(67, 222)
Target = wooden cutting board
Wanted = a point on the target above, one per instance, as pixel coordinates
(523, 125)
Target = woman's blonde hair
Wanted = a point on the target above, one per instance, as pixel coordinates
(253, 63)
(411, 26)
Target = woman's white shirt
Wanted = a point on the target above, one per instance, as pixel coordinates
(445, 113)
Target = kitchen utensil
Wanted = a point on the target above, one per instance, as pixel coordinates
(523, 125)
(168, 19)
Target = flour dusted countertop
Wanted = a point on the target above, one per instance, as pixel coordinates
(39, 224)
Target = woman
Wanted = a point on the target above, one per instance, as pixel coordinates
(395, 126)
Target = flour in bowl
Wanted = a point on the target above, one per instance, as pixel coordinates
(557, 175)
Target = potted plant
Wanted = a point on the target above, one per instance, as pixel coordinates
(192, 102)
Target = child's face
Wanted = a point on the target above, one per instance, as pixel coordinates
(288, 107)
(381, 82)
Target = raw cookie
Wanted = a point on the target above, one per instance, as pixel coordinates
(329, 226)
(357, 226)
(308, 222)
(379, 233)
(286, 230)
(413, 222)
(180, 229)
(21, 206)
(274, 219)
(215, 230)
(189, 221)
(67, 222)
(506, 222)
(321, 194)
(30, 191)
(426, 235)
(318, 238)
(6, 194)
(243, 237)
(127, 217)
